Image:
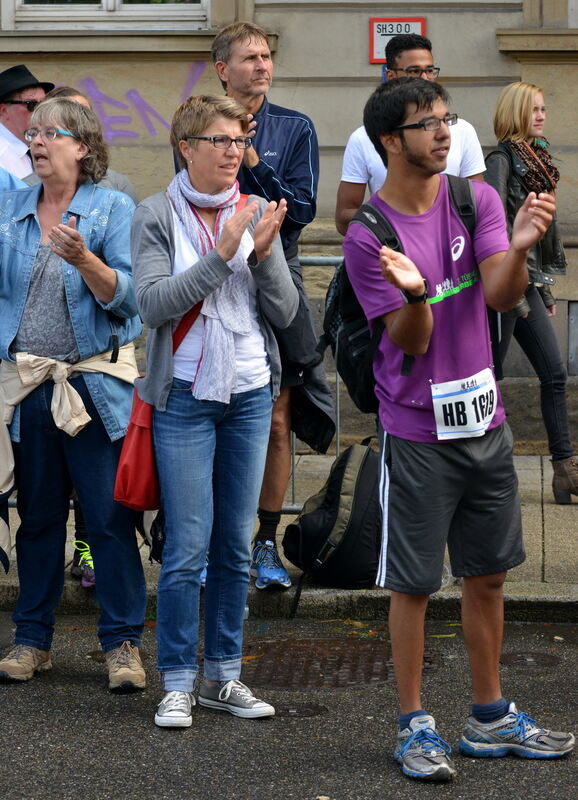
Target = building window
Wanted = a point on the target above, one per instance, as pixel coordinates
(112, 14)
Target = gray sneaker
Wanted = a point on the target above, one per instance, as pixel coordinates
(422, 752)
(234, 697)
(174, 710)
(516, 734)
(22, 662)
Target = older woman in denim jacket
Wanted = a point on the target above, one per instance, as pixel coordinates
(68, 311)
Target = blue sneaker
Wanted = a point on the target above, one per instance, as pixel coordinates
(266, 567)
(516, 734)
(422, 752)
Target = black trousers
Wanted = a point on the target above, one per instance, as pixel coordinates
(535, 335)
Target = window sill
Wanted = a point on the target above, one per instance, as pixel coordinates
(106, 40)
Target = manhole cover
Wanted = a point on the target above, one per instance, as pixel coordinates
(300, 710)
(316, 663)
(529, 659)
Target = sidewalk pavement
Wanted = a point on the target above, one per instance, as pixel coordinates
(544, 587)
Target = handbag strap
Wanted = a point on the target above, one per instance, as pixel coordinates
(190, 316)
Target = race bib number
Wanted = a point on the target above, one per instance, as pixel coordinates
(464, 408)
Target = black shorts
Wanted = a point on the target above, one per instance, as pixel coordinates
(291, 375)
(462, 493)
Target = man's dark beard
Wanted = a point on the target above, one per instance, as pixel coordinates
(417, 161)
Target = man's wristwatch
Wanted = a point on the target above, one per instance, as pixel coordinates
(412, 299)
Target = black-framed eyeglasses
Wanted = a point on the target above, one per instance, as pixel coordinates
(417, 72)
(224, 142)
(430, 123)
(30, 104)
(49, 134)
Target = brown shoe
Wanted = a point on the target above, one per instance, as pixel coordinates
(125, 669)
(565, 480)
(22, 662)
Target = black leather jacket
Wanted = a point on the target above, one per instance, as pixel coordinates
(505, 171)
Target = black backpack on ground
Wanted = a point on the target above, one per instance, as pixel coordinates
(345, 327)
(336, 539)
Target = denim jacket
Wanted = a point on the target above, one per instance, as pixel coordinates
(103, 218)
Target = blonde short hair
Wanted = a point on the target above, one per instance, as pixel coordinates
(196, 114)
(513, 112)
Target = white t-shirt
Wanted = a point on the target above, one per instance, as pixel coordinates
(251, 360)
(14, 156)
(362, 164)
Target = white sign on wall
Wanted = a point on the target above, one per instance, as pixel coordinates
(381, 30)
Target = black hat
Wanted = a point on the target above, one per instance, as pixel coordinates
(17, 78)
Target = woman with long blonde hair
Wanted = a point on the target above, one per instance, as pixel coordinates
(522, 163)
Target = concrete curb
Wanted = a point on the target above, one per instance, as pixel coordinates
(524, 602)
(528, 603)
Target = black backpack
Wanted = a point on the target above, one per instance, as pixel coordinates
(337, 536)
(345, 327)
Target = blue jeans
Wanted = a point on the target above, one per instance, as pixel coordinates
(49, 463)
(536, 336)
(210, 458)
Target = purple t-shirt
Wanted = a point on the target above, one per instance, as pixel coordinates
(438, 243)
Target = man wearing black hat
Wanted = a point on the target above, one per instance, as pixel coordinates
(20, 93)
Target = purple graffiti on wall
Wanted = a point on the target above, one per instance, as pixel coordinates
(126, 126)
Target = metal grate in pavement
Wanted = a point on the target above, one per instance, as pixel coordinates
(529, 659)
(335, 663)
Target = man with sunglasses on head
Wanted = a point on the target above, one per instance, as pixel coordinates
(410, 56)
(447, 472)
(20, 93)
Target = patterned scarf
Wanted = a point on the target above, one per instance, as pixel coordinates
(226, 310)
(542, 175)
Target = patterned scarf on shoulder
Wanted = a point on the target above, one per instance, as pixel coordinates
(226, 310)
(542, 175)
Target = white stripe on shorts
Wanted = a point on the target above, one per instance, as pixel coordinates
(384, 501)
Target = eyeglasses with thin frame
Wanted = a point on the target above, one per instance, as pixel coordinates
(30, 104)
(48, 134)
(430, 123)
(224, 142)
(417, 72)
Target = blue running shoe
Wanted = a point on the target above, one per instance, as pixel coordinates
(266, 567)
(422, 752)
(516, 734)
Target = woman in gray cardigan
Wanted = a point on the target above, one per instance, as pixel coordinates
(202, 244)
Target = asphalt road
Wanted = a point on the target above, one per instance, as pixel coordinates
(64, 736)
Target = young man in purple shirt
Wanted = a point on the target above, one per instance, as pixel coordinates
(447, 466)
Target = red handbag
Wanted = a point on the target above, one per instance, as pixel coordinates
(137, 482)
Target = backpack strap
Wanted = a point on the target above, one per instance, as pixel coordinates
(370, 216)
(463, 200)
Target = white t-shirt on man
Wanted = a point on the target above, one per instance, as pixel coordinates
(14, 156)
(362, 164)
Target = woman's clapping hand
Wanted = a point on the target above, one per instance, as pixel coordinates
(233, 231)
(263, 235)
(67, 242)
(268, 227)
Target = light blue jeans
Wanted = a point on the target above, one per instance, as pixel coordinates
(210, 458)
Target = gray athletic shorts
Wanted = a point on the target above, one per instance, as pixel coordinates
(462, 493)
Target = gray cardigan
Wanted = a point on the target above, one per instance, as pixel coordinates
(163, 298)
